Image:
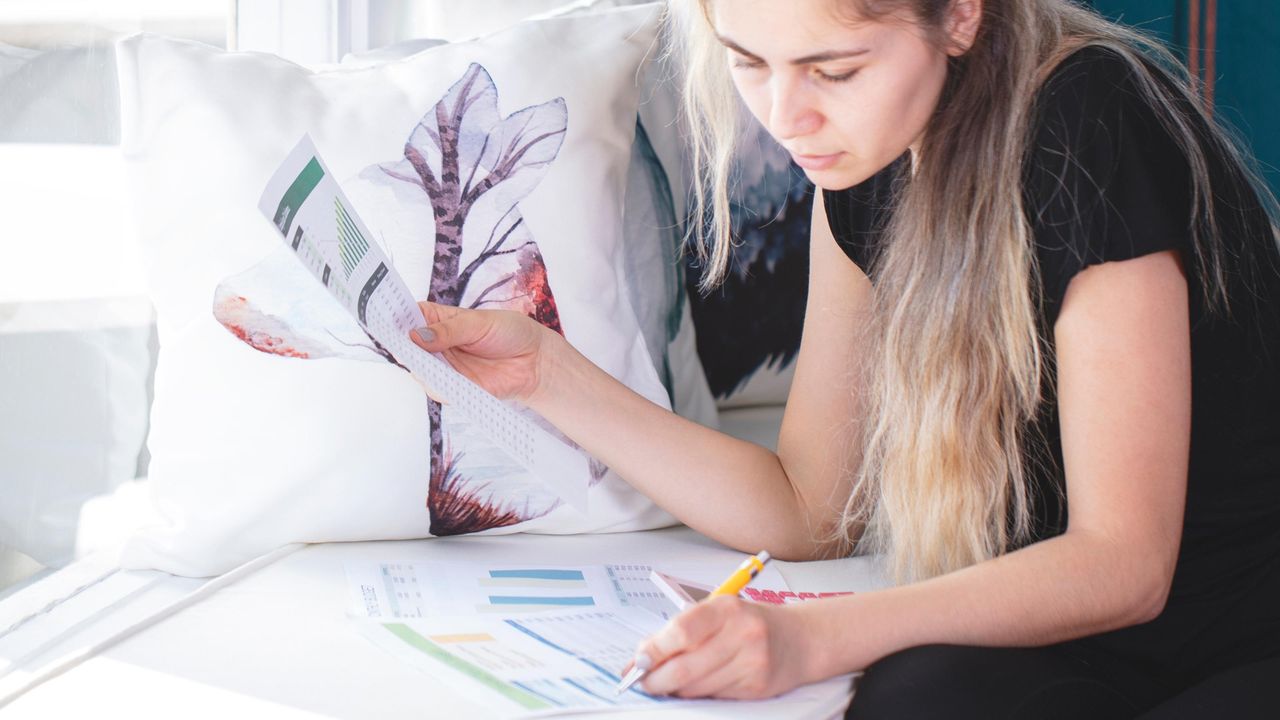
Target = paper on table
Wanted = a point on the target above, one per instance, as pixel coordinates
(412, 590)
(321, 226)
(530, 663)
(553, 663)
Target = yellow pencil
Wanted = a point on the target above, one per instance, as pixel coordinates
(745, 573)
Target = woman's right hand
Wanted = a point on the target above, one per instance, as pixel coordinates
(502, 351)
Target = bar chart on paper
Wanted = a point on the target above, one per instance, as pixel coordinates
(413, 590)
(530, 589)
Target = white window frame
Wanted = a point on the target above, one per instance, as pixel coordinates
(308, 32)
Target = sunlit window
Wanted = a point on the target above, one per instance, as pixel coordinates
(76, 339)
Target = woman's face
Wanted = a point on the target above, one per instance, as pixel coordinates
(845, 98)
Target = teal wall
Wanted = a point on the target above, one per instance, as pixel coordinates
(1247, 90)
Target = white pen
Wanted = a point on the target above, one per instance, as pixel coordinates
(642, 665)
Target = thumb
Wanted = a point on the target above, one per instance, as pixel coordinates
(460, 329)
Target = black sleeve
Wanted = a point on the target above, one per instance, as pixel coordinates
(1104, 180)
(858, 214)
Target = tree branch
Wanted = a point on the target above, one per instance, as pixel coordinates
(405, 178)
(517, 248)
(480, 298)
(419, 163)
(464, 277)
(489, 243)
(506, 167)
(430, 131)
(477, 304)
(466, 188)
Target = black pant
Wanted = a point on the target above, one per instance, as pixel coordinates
(1070, 680)
(1213, 658)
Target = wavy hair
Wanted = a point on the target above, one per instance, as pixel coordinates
(954, 360)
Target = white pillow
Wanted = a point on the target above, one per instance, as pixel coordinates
(653, 217)
(252, 450)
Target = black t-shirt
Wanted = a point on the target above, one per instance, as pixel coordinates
(1104, 181)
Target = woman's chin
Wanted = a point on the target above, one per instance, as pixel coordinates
(842, 175)
(834, 178)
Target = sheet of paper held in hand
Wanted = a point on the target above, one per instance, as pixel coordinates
(317, 221)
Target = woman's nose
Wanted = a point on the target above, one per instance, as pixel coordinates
(791, 112)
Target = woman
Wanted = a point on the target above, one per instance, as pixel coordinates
(1041, 279)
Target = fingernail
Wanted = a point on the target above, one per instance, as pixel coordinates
(643, 661)
(424, 334)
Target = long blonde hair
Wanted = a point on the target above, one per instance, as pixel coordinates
(954, 357)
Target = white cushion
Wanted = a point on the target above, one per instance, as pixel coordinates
(653, 212)
(251, 450)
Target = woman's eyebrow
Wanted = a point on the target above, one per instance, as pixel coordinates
(821, 57)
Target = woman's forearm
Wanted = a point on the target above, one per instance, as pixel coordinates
(733, 491)
(1052, 591)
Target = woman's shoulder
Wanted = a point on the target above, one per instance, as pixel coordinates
(1090, 67)
(1104, 178)
(1098, 93)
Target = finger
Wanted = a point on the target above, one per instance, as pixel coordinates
(457, 330)
(747, 686)
(696, 672)
(435, 312)
(685, 631)
(716, 682)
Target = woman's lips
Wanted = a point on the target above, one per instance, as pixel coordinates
(816, 162)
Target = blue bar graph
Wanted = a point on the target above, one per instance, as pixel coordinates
(536, 574)
(578, 601)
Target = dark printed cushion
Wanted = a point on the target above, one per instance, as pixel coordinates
(748, 329)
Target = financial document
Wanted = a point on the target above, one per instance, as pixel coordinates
(530, 663)
(413, 590)
(562, 662)
(315, 219)
(533, 640)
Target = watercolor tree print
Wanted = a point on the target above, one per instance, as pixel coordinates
(472, 167)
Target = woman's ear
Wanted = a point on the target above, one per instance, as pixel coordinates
(964, 17)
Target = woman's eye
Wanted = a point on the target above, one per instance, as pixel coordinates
(747, 63)
(836, 78)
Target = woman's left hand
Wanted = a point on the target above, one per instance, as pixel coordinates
(727, 648)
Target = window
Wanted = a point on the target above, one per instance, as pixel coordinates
(75, 327)
(77, 339)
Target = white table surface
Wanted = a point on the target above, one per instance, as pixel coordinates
(278, 643)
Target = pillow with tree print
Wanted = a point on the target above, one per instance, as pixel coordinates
(653, 208)
(489, 178)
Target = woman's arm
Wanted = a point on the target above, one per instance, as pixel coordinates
(1123, 349)
(733, 491)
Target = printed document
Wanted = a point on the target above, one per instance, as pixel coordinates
(413, 590)
(560, 662)
(315, 219)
